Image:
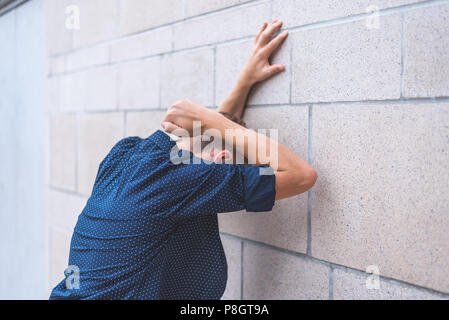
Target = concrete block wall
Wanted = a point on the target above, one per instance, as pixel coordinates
(367, 105)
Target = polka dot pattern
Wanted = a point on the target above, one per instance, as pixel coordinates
(150, 230)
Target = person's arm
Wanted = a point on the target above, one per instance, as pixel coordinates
(256, 69)
(293, 175)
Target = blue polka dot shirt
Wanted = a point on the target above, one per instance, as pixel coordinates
(150, 230)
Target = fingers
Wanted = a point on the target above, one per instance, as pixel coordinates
(276, 42)
(268, 32)
(262, 29)
(274, 69)
(170, 127)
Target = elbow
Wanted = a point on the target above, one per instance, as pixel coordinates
(312, 176)
(308, 179)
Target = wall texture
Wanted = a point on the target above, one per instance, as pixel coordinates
(22, 138)
(365, 101)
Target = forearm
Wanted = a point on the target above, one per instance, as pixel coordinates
(293, 174)
(257, 148)
(235, 102)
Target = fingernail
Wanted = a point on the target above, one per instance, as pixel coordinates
(164, 125)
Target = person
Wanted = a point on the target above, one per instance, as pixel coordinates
(149, 229)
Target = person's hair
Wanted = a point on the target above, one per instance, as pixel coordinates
(234, 118)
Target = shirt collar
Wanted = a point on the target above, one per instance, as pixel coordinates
(164, 140)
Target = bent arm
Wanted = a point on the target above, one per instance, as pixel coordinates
(293, 174)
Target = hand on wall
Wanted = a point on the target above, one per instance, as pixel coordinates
(258, 67)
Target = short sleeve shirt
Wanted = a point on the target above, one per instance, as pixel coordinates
(149, 229)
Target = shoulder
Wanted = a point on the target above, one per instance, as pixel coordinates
(120, 148)
(126, 143)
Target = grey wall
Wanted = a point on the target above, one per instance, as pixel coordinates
(22, 145)
(368, 107)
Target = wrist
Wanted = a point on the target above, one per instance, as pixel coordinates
(210, 119)
(244, 81)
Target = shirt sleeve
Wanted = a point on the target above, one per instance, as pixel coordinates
(218, 188)
(113, 159)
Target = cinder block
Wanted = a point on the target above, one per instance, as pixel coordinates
(139, 84)
(350, 285)
(97, 135)
(271, 274)
(98, 22)
(196, 7)
(286, 225)
(53, 98)
(298, 13)
(230, 60)
(233, 251)
(59, 249)
(138, 15)
(142, 45)
(63, 151)
(347, 62)
(57, 65)
(101, 89)
(381, 197)
(142, 124)
(84, 58)
(426, 72)
(227, 25)
(63, 209)
(188, 76)
(72, 92)
(59, 38)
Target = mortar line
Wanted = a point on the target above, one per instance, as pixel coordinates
(159, 89)
(184, 10)
(410, 101)
(271, 10)
(119, 21)
(241, 269)
(214, 85)
(331, 283)
(59, 228)
(314, 25)
(402, 55)
(334, 265)
(360, 102)
(172, 44)
(12, 6)
(77, 119)
(290, 86)
(125, 129)
(117, 88)
(106, 111)
(66, 191)
(309, 192)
